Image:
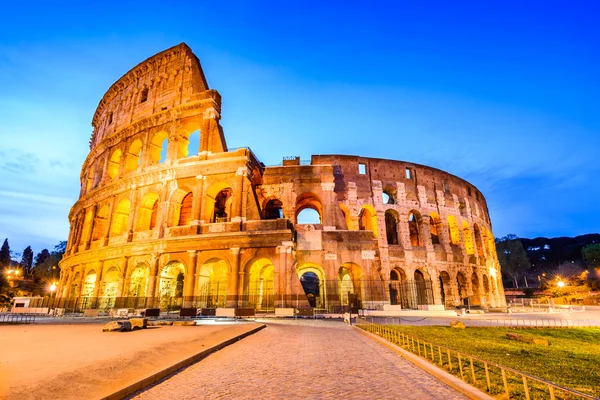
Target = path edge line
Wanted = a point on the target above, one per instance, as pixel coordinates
(443, 376)
(157, 376)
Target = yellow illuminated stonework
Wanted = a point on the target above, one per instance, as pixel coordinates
(169, 217)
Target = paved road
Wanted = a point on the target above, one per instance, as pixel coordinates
(303, 360)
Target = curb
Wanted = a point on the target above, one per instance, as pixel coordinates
(443, 376)
(139, 385)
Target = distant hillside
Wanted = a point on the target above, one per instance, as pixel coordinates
(549, 253)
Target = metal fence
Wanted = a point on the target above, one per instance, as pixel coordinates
(496, 379)
(489, 322)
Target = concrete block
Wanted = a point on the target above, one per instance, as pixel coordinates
(117, 326)
(225, 312)
(138, 323)
(284, 312)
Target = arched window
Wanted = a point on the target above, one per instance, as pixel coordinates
(453, 229)
(468, 237)
(114, 164)
(391, 227)
(147, 212)
(144, 95)
(309, 216)
(134, 156)
(308, 209)
(434, 228)
(221, 205)
(185, 212)
(367, 219)
(158, 147)
(414, 228)
(388, 196)
(120, 218)
(273, 209)
(100, 223)
(193, 144)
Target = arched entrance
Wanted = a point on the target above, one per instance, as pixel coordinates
(461, 282)
(476, 298)
(138, 286)
(423, 288)
(212, 284)
(312, 279)
(446, 290)
(171, 285)
(259, 285)
(350, 286)
(110, 283)
(87, 290)
(399, 288)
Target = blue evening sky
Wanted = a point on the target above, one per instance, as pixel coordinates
(504, 94)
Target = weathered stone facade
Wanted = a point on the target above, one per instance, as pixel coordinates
(168, 216)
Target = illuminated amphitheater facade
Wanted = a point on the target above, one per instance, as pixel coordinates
(169, 217)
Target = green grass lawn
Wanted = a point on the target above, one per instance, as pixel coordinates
(571, 360)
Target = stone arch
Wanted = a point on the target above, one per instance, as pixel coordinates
(189, 140)
(367, 219)
(422, 287)
(446, 289)
(89, 283)
(87, 225)
(213, 283)
(312, 279)
(461, 287)
(120, 218)
(114, 164)
(98, 172)
(414, 228)
(306, 201)
(100, 223)
(453, 230)
(476, 298)
(74, 285)
(110, 284)
(388, 195)
(138, 280)
(259, 286)
(134, 156)
(273, 208)
(346, 214)
(468, 237)
(435, 227)
(218, 206)
(399, 291)
(350, 283)
(158, 147)
(391, 226)
(170, 287)
(147, 212)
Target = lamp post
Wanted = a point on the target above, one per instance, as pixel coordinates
(53, 292)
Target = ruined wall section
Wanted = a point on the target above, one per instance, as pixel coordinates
(166, 80)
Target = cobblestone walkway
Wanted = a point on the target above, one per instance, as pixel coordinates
(302, 360)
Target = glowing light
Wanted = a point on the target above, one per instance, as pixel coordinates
(53, 287)
(493, 272)
(560, 284)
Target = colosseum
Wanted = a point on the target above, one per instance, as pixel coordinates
(169, 218)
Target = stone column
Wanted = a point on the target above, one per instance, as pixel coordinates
(123, 268)
(233, 281)
(328, 218)
(98, 280)
(240, 176)
(152, 277)
(133, 208)
(111, 208)
(188, 282)
(198, 200)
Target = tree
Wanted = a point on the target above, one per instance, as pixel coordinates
(27, 260)
(46, 263)
(591, 255)
(512, 256)
(5, 254)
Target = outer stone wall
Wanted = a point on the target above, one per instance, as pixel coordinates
(169, 218)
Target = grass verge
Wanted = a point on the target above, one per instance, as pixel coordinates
(572, 358)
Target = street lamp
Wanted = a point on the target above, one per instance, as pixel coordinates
(560, 284)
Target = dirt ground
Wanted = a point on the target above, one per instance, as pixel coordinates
(80, 361)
